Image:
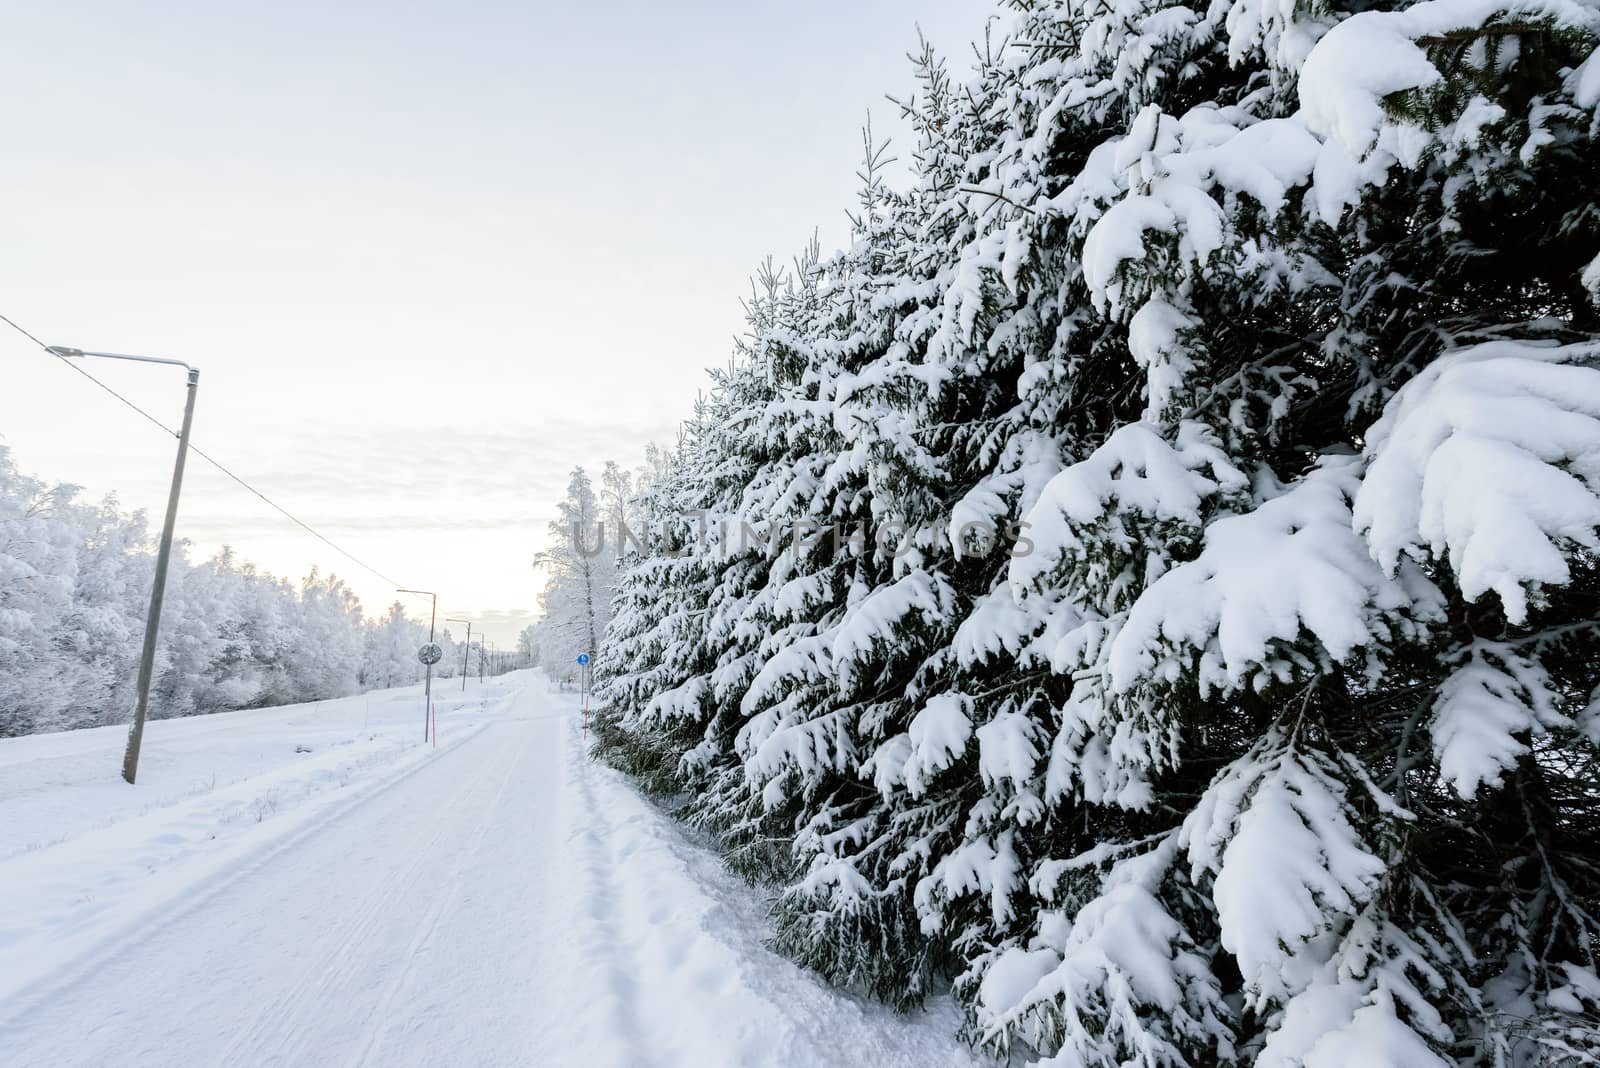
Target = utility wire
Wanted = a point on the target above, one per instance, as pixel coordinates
(296, 520)
(91, 378)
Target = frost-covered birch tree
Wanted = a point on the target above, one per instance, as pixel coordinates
(579, 565)
(75, 586)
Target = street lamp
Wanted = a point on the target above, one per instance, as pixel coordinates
(152, 623)
(427, 691)
(466, 650)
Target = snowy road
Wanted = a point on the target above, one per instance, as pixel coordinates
(501, 901)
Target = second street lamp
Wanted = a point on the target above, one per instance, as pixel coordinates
(465, 650)
(152, 622)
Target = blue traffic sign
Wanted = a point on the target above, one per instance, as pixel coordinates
(583, 658)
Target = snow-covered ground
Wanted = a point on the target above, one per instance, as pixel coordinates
(313, 885)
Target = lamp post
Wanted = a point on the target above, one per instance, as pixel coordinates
(152, 622)
(427, 690)
(466, 650)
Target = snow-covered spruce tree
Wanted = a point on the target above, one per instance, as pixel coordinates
(1274, 740)
(649, 674)
(690, 627)
(855, 606)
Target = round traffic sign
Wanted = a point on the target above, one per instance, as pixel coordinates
(583, 658)
(430, 653)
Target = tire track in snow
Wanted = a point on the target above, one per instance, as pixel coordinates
(157, 917)
(281, 1017)
(373, 1024)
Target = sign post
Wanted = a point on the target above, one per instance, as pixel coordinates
(430, 654)
(423, 655)
(583, 685)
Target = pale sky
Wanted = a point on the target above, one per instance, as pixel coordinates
(428, 256)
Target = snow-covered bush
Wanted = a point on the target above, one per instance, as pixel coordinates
(1229, 690)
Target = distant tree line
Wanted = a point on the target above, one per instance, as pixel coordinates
(74, 588)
